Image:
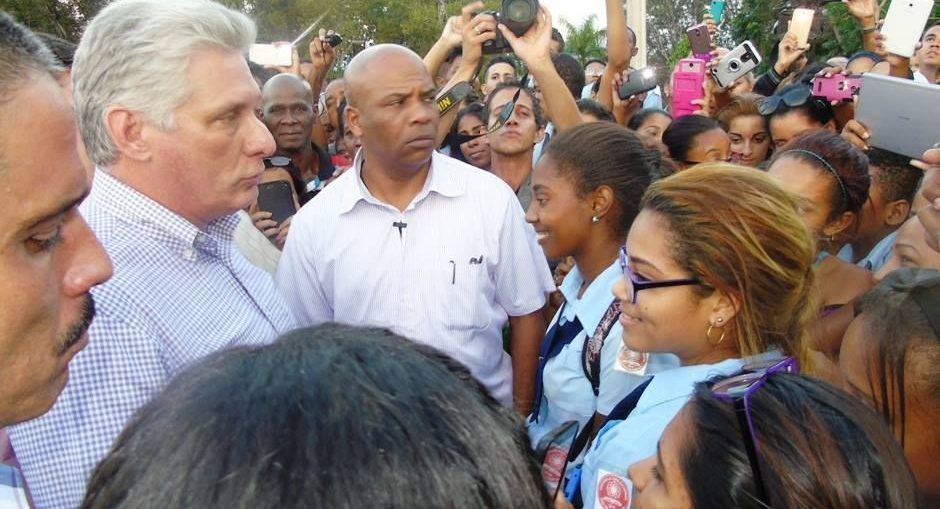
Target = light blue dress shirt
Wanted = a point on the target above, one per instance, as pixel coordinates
(178, 294)
(567, 393)
(622, 443)
(876, 258)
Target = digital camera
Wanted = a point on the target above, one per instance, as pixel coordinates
(518, 16)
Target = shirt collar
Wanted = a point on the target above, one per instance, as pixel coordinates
(442, 179)
(125, 202)
(680, 382)
(593, 304)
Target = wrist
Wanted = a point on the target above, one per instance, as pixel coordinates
(781, 70)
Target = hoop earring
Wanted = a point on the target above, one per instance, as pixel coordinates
(708, 336)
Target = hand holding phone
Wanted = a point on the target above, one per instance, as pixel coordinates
(687, 86)
(904, 24)
(738, 62)
(637, 82)
(837, 88)
(276, 197)
(700, 40)
(801, 24)
(717, 10)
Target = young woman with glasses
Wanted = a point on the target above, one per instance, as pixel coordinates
(770, 439)
(717, 267)
(890, 358)
(584, 201)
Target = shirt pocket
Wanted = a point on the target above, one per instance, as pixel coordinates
(466, 292)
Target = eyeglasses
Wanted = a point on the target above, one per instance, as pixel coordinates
(739, 390)
(277, 162)
(634, 285)
(793, 98)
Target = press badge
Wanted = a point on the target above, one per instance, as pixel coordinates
(612, 491)
(631, 362)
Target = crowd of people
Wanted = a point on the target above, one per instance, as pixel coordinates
(246, 286)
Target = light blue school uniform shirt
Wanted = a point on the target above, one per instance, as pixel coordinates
(876, 258)
(619, 444)
(567, 392)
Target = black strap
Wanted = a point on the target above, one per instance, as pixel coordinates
(452, 97)
(594, 345)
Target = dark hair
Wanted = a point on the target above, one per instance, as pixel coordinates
(537, 111)
(595, 61)
(617, 159)
(816, 109)
(595, 109)
(636, 121)
(341, 117)
(632, 35)
(818, 448)
(571, 72)
(331, 416)
(680, 136)
(63, 50)
(874, 57)
(900, 333)
(849, 164)
(499, 59)
(556, 36)
(21, 52)
(895, 176)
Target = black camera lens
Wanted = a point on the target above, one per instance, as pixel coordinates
(521, 11)
(734, 65)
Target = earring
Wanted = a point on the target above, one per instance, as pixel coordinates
(708, 335)
(595, 219)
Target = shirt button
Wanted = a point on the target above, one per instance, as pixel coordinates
(189, 254)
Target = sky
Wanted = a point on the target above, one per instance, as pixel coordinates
(575, 11)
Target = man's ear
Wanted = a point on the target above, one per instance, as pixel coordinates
(352, 120)
(897, 212)
(539, 136)
(128, 131)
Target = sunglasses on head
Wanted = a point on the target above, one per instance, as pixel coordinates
(277, 162)
(738, 390)
(793, 98)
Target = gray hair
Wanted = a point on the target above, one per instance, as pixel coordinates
(136, 53)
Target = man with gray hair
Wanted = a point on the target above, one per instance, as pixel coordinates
(166, 108)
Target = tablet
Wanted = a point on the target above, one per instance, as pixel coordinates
(900, 115)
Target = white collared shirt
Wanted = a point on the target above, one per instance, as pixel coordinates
(463, 261)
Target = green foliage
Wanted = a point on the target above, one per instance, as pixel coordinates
(62, 18)
(585, 41)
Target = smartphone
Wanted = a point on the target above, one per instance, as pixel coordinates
(717, 10)
(277, 198)
(895, 111)
(700, 41)
(904, 25)
(639, 81)
(740, 61)
(687, 86)
(801, 24)
(277, 55)
(552, 453)
(837, 88)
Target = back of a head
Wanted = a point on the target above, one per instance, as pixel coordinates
(332, 416)
(571, 73)
(739, 233)
(606, 154)
(894, 175)
(818, 448)
(595, 109)
(136, 53)
(679, 137)
(833, 155)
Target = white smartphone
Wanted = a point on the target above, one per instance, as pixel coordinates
(278, 55)
(904, 25)
(801, 24)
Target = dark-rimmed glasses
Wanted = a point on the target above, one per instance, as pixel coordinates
(738, 390)
(634, 285)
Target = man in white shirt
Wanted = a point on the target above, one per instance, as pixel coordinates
(429, 247)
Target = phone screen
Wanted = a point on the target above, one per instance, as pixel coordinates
(276, 197)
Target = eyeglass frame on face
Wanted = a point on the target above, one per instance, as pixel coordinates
(732, 391)
(634, 285)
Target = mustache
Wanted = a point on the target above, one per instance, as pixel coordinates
(74, 333)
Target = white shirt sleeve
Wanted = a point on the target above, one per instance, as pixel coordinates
(297, 277)
(522, 277)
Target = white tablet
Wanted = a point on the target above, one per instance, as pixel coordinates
(902, 116)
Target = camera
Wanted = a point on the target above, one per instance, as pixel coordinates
(518, 16)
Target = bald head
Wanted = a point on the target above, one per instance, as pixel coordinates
(286, 83)
(370, 66)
